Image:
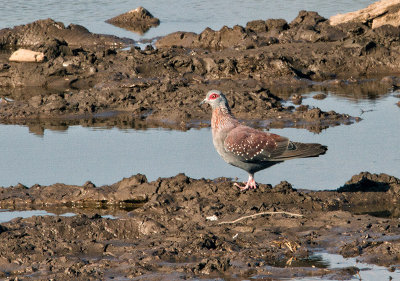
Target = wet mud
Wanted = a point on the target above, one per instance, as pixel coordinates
(85, 74)
(180, 227)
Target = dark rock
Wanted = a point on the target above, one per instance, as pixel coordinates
(54, 34)
(388, 31)
(367, 182)
(319, 96)
(296, 99)
(284, 187)
(257, 26)
(2, 228)
(138, 20)
(330, 33)
(307, 18)
(277, 25)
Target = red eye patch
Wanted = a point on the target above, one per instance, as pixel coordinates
(213, 96)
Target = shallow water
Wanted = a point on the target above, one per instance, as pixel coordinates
(174, 15)
(368, 272)
(7, 215)
(105, 156)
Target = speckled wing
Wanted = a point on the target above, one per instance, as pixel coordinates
(251, 145)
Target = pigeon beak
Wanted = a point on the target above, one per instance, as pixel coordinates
(202, 102)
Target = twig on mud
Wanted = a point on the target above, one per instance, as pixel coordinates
(260, 214)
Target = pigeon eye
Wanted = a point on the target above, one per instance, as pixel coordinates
(213, 96)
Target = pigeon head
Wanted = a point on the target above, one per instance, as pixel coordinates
(216, 99)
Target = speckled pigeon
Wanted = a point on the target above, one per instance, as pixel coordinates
(250, 149)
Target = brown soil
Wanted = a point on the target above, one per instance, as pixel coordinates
(171, 234)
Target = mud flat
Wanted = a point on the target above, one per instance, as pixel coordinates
(257, 66)
(181, 228)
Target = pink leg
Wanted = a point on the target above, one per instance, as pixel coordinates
(251, 183)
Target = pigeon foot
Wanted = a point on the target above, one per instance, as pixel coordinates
(251, 184)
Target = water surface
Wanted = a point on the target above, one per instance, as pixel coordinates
(184, 15)
(105, 156)
(7, 215)
(368, 272)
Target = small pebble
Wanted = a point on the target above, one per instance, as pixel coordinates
(212, 218)
(297, 99)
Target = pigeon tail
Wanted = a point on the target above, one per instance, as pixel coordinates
(301, 150)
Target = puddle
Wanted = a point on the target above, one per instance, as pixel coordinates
(76, 154)
(369, 145)
(367, 272)
(316, 261)
(7, 215)
(389, 210)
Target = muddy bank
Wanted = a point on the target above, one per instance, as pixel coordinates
(186, 227)
(358, 90)
(55, 39)
(256, 66)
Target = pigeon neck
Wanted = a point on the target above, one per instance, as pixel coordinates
(224, 109)
(222, 118)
